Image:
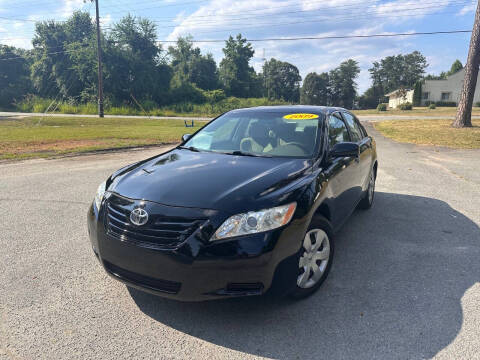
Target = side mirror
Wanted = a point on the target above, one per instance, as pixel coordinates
(345, 149)
(185, 137)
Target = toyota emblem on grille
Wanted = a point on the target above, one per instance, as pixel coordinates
(138, 217)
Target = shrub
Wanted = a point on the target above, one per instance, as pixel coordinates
(405, 106)
(214, 96)
(431, 106)
(149, 105)
(428, 103)
(446, 103)
(382, 107)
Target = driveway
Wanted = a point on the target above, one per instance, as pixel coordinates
(405, 283)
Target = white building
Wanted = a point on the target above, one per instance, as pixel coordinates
(397, 97)
(436, 90)
(448, 89)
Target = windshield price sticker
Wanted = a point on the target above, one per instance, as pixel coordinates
(301, 116)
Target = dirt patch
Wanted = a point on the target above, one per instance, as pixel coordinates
(54, 146)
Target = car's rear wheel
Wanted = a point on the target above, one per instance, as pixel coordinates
(367, 201)
(314, 258)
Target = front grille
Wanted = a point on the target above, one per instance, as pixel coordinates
(161, 231)
(171, 287)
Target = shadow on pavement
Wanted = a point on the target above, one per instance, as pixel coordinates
(394, 291)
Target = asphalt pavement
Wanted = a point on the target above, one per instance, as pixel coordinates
(405, 283)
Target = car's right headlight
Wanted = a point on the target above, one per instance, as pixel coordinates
(99, 195)
(255, 221)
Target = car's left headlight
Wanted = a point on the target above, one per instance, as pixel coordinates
(99, 195)
(255, 222)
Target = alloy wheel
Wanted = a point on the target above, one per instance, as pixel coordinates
(314, 259)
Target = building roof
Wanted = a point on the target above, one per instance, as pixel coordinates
(394, 92)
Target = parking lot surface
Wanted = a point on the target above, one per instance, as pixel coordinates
(405, 283)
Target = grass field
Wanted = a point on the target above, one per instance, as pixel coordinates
(33, 137)
(431, 132)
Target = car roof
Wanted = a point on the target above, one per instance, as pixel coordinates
(293, 108)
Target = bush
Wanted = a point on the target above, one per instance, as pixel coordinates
(405, 106)
(446, 103)
(431, 106)
(217, 104)
(382, 107)
(214, 96)
(428, 103)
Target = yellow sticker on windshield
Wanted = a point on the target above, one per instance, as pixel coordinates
(301, 116)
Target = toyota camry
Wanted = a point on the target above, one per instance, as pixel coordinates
(248, 204)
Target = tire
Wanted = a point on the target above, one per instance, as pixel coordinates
(319, 229)
(367, 201)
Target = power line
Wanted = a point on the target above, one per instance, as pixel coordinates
(303, 38)
(13, 19)
(364, 15)
(351, 6)
(398, 13)
(333, 37)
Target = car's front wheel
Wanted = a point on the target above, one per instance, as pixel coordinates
(314, 258)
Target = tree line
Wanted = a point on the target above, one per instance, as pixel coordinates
(138, 69)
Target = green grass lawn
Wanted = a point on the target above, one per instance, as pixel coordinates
(31, 137)
(431, 132)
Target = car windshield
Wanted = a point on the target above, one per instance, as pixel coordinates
(267, 134)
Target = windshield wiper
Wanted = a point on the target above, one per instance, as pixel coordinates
(242, 153)
(191, 148)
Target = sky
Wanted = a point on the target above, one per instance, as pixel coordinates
(260, 19)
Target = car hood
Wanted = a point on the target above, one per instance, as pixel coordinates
(211, 180)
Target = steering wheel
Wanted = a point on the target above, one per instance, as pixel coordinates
(246, 144)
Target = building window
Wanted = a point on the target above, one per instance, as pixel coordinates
(445, 96)
(426, 95)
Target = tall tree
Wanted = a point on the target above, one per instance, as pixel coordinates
(281, 80)
(464, 109)
(14, 75)
(53, 71)
(315, 89)
(236, 74)
(371, 98)
(396, 71)
(190, 65)
(343, 88)
(133, 67)
(456, 67)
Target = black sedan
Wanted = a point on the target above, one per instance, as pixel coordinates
(248, 204)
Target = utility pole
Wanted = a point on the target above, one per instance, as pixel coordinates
(99, 56)
(464, 110)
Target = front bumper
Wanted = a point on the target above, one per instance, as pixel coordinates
(201, 270)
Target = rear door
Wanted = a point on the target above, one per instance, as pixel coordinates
(358, 135)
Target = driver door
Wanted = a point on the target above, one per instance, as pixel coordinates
(342, 172)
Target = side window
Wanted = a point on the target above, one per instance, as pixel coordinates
(337, 131)
(355, 130)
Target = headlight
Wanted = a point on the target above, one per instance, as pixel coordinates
(99, 194)
(255, 221)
